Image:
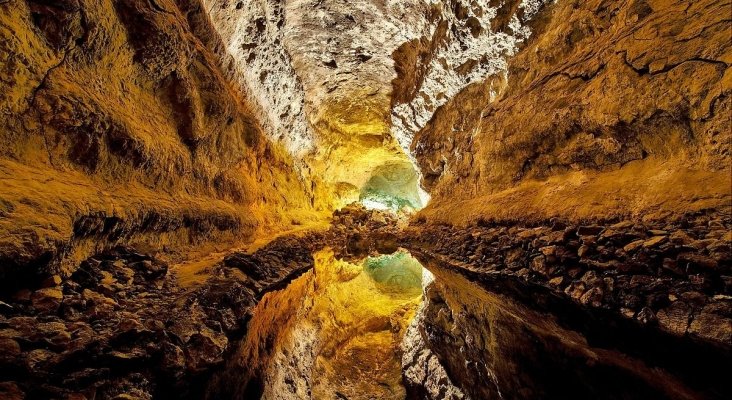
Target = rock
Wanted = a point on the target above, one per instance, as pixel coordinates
(38, 359)
(589, 230)
(174, 361)
(9, 350)
(52, 281)
(632, 246)
(714, 322)
(672, 266)
(556, 281)
(697, 261)
(575, 290)
(540, 265)
(583, 250)
(47, 300)
(681, 238)
(646, 316)
(675, 318)
(654, 241)
(592, 297)
(205, 349)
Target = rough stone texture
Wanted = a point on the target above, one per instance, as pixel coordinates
(119, 127)
(675, 276)
(123, 325)
(462, 42)
(608, 109)
(253, 37)
(502, 339)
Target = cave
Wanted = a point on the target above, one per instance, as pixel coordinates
(331, 199)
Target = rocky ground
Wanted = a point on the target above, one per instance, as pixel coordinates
(677, 275)
(564, 310)
(121, 326)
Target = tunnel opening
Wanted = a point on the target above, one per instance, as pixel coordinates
(394, 186)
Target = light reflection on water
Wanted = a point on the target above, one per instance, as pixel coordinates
(336, 331)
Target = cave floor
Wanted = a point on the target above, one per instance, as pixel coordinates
(374, 309)
(412, 325)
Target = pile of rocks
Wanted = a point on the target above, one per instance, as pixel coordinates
(121, 327)
(357, 231)
(677, 275)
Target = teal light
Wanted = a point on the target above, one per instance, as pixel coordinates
(395, 273)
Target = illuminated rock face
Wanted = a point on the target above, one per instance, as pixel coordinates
(395, 186)
(120, 127)
(607, 110)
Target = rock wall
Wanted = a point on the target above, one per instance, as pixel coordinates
(253, 41)
(120, 126)
(604, 109)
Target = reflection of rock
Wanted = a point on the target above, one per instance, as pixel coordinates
(424, 376)
(536, 346)
(333, 332)
(666, 272)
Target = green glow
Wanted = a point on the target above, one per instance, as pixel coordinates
(395, 273)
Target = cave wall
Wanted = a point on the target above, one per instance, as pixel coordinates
(121, 126)
(601, 109)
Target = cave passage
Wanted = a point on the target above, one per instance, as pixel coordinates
(394, 186)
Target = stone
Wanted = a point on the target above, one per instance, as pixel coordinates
(654, 241)
(589, 230)
(714, 322)
(681, 238)
(646, 316)
(52, 281)
(592, 297)
(556, 281)
(675, 318)
(632, 246)
(47, 300)
(697, 261)
(540, 265)
(9, 350)
(583, 250)
(575, 289)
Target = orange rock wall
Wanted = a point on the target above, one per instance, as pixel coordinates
(119, 127)
(609, 109)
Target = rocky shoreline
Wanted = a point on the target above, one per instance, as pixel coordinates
(121, 326)
(674, 275)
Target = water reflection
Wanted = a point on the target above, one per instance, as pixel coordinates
(333, 333)
(386, 328)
